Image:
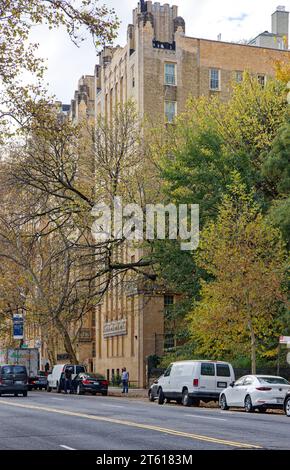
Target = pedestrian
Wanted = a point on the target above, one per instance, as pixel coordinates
(67, 380)
(46, 368)
(125, 380)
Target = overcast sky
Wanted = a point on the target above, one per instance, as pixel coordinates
(235, 20)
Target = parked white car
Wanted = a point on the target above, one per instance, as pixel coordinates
(252, 392)
(188, 382)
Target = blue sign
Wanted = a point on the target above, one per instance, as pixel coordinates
(18, 326)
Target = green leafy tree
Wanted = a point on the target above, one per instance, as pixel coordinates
(239, 310)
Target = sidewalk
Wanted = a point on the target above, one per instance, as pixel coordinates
(133, 392)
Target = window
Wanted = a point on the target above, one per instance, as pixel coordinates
(80, 369)
(262, 80)
(170, 74)
(207, 369)
(170, 111)
(214, 79)
(169, 341)
(223, 370)
(239, 76)
(168, 302)
(133, 76)
(240, 381)
(273, 380)
(248, 381)
(93, 349)
(168, 370)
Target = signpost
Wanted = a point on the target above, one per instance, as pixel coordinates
(18, 326)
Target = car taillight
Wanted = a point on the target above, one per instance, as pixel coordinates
(104, 382)
(264, 389)
(195, 382)
(86, 382)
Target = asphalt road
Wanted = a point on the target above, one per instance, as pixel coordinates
(44, 421)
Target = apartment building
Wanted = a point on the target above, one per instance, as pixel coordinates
(160, 68)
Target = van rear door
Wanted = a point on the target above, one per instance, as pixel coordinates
(224, 376)
(207, 381)
(20, 375)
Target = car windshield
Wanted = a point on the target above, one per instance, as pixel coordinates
(273, 380)
(14, 370)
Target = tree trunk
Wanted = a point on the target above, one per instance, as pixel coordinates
(67, 342)
(253, 349)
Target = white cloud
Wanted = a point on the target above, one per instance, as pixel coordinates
(204, 18)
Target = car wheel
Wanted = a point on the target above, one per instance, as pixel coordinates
(223, 403)
(186, 400)
(179, 401)
(161, 397)
(24, 394)
(16, 394)
(150, 396)
(48, 388)
(79, 390)
(105, 393)
(287, 407)
(248, 404)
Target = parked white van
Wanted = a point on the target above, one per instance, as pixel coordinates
(55, 380)
(188, 382)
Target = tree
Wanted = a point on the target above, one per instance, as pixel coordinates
(18, 55)
(49, 188)
(276, 168)
(245, 257)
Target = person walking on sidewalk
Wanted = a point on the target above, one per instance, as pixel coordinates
(125, 380)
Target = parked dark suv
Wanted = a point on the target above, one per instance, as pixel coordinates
(13, 379)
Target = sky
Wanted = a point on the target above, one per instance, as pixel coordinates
(234, 20)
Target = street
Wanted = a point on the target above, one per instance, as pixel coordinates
(44, 421)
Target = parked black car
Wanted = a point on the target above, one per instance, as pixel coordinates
(38, 381)
(13, 380)
(287, 405)
(153, 390)
(90, 383)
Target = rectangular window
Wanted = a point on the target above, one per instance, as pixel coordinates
(214, 79)
(223, 370)
(94, 349)
(262, 80)
(170, 74)
(207, 369)
(170, 111)
(133, 76)
(239, 76)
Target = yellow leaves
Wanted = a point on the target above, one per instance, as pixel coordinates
(283, 71)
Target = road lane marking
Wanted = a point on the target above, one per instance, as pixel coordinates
(112, 406)
(67, 447)
(172, 432)
(206, 417)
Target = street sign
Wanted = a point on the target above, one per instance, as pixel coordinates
(18, 326)
(284, 339)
